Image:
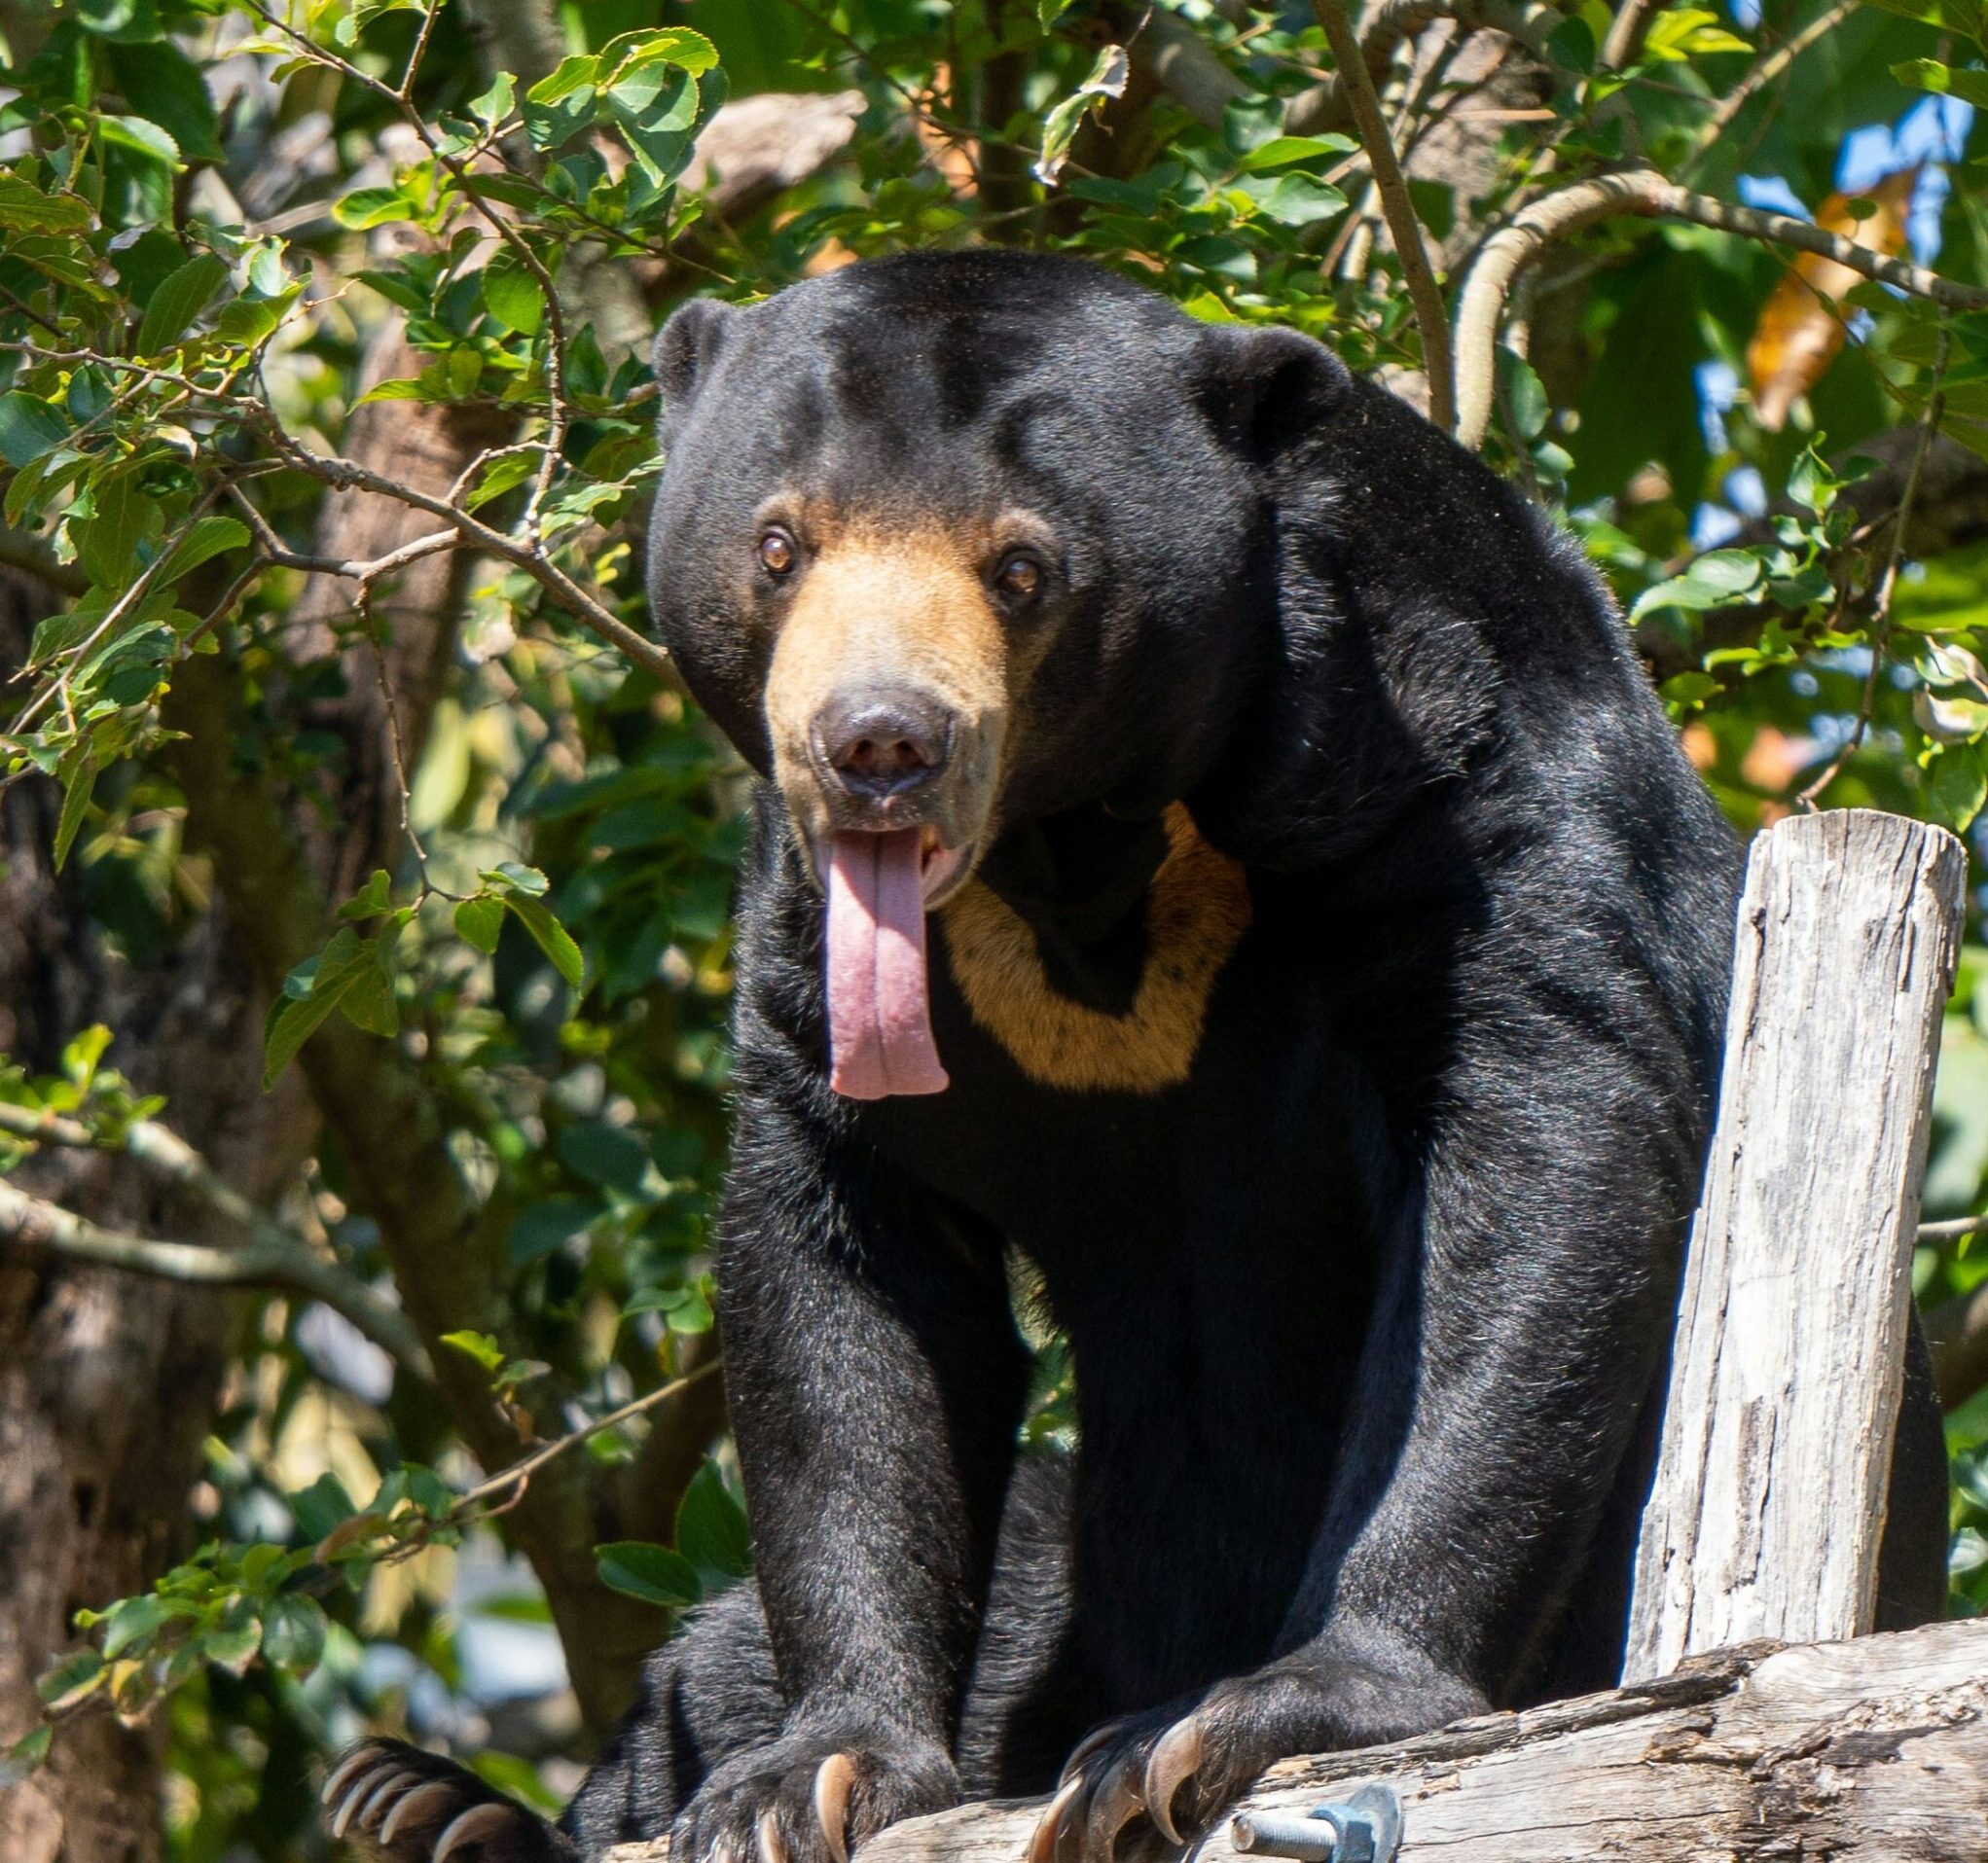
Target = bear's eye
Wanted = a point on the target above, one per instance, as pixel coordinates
(778, 552)
(1018, 576)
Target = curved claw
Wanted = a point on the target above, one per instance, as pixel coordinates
(472, 1827)
(358, 1760)
(358, 1789)
(1176, 1758)
(1092, 1742)
(1115, 1804)
(422, 1799)
(766, 1841)
(393, 1786)
(1046, 1845)
(835, 1780)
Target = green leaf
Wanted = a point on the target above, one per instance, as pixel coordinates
(548, 1226)
(1279, 150)
(163, 86)
(70, 1680)
(370, 900)
(363, 207)
(655, 1574)
(1684, 32)
(479, 921)
(514, 874)
(711, 1531)
(124, 518)
(1106, 80)
(234, 1643)
(27, 208)
(479, 1347)
(369, 1003)
(561, 104)
(1715, 578)
(28, 428)
(1943, 80)
(177, 302)
(1525, 395)
(294, 1634)
(142, 137)
(1959, 786)
(1688, 689)
(679, 46)
(550, 936)
(610, 1156)
(203, 539)
(342, 967)
(498, 103)
(25, 1757)
(138, 1620)
(321, 1507)
(512, 295)
(79, 779)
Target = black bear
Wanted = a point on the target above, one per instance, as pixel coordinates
(1216, 844)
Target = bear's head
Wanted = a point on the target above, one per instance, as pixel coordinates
(948, 542)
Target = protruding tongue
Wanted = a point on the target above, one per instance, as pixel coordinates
(880, 1029)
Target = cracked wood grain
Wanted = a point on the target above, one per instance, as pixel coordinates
(1768, 1505)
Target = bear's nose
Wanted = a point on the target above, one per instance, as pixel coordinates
(881, 744)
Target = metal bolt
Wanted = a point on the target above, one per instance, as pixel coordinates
(1365, 1829)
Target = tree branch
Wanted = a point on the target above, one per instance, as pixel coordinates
(1328, 105)
(1422, 291)
(265, 1263)
(1641, 192)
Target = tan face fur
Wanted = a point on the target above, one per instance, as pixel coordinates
(903, 608)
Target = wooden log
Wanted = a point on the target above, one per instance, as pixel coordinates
(1769, 1499)
(1871, 1751)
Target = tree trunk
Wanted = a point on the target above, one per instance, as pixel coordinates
(107, 1384)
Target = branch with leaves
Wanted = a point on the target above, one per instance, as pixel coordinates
(1643, 192)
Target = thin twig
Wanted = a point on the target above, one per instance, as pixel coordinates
(1770, 66)
(405, 92)
(1422, 291)
(520, 1474)
(1895, 557)
(1959, 1229)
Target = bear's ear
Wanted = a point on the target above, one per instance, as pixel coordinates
(686, 346)
(1266, 389)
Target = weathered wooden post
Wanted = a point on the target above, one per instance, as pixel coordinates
(1764, 1520)
(1768, 1503)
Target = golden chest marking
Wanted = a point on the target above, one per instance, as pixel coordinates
(1197, 910)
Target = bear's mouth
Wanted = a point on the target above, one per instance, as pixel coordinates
(879, 884)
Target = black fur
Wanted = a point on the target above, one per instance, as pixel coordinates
(1369, 1315)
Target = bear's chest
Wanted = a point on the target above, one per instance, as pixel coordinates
(1141, 1028)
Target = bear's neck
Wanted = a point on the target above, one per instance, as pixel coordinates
(1079, 880)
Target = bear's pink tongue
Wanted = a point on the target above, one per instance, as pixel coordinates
(880, 1030)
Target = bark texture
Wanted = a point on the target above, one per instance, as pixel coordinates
(1871, 1751)
(1769, 1499)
